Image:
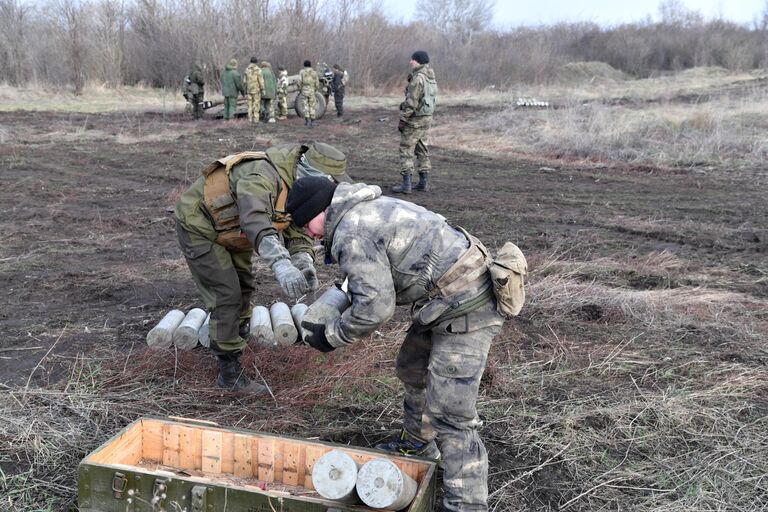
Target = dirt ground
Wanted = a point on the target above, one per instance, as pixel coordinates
(89, 262)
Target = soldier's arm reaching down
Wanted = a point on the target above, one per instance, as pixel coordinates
(365, 263)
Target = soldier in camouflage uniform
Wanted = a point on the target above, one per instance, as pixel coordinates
(282, 93)
(234, 207)
(415, 120)
(194, 90)
(231, 87)
(309, 84)
(254, 84)
(270, 92)
(394, 253)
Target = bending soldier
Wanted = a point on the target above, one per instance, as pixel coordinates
(254, 85)
(235, 206)
(309, 84)
(394, 252)
(415, 120)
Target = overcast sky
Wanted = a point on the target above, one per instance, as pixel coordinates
(511, 13)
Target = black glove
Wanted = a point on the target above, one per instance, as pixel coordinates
(317, 339)
(401, 126)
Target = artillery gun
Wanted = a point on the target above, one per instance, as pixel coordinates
(325, 75)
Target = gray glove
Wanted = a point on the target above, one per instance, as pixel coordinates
(291, 279)
(305, 262)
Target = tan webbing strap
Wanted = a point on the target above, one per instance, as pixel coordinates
(280, 219)
(220, 202)
(470, 267)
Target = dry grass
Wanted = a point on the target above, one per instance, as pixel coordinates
(700, 118)
(652, 416)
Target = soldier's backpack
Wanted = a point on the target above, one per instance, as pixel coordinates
(344, 78)
(508, 271)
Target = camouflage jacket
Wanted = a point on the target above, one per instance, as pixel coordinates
(392, 252)
(282, 83)
(197, 84)
(231, 85)
(256, 185)
(420, 95)
(270, 82)
(308, 81)
(252, 79)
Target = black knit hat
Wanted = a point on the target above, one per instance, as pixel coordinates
(421, 57)
(255, 60)
(307, 64)
(308, 197)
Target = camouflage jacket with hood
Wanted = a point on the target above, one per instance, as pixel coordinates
(420, 96)
(253, 81)
(256, 185)
(231, 84)
(392, 252)
(270, 82)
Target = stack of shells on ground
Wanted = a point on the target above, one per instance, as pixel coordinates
(278, 325)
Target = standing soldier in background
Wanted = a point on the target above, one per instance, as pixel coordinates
(415, 120)
(236, 206)
(194, 90)
(338, 85)
(270, 91)
(231, 87)
(282, 93)
(254, 85)
(309, 84)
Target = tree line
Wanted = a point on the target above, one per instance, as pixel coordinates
(69, 43)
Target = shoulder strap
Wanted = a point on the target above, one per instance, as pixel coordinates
(218, 199)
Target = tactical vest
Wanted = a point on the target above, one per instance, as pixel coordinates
(427, 105)
(221, 203)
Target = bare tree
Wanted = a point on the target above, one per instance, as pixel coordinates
(109, 37)
(457, 20)
(13, 42)
(69, 15)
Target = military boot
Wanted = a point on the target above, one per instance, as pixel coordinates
(405, 187)
(405, 445)
(422, 184)
(232, 376)
(312, 123)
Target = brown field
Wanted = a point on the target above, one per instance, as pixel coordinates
(634, 379)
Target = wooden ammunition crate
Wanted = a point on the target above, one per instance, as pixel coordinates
(158, 464)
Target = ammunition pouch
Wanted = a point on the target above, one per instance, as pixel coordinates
(463, 288)
(508, 272)
(221, 204)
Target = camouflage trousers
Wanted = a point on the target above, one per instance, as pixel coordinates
(197, 110)
(338, 100)
(254, 107)
(413, 141)
(230, 105)
(282, 105)
(309, 102)
(224, 280)
(441, 370)
(268, 107)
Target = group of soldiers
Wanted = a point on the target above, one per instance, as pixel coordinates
(260, 87)
(279, 201)
(265, 92)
